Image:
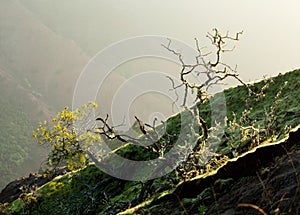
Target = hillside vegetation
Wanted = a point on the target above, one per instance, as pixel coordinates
(254, 169)
(19, 111)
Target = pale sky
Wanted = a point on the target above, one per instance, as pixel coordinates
(270, 42)
(269, 45)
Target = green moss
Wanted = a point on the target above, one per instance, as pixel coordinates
(90, 191)
(17, 206)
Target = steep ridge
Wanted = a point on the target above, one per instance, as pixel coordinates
(265, 177)
(243, 166)
(258, 178)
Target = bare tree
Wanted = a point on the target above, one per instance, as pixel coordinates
(215, 72)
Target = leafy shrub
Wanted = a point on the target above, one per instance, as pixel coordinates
(67, 143)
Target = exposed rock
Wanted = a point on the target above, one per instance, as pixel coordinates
(13, 190)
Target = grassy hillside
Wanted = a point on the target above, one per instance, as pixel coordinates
(276, 110)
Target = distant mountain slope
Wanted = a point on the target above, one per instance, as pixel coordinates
(92, 25)
(19, 108)
(42, 60)
(38, 72)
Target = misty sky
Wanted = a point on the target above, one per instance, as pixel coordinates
(63, 35)
(268, 46)
(49, 43)
(46, 44)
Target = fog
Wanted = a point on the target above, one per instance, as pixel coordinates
(47, 45)
(268, 46)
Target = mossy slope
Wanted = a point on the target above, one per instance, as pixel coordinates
(90, 191)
